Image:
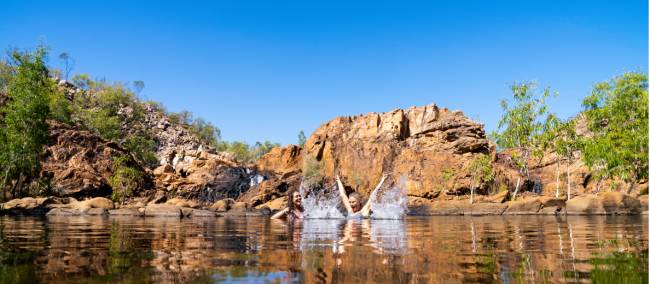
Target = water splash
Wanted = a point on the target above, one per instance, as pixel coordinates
(390, 203)
(321, 204)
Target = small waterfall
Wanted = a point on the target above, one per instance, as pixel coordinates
(390, 203)
(321, 204)
(255, 180)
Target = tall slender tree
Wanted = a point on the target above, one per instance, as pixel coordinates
(521, 126)
(23, 129)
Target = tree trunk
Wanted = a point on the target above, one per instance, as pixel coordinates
(471, 196)
(4, 184)
(568, 181)
(516, 189)
(557, 180)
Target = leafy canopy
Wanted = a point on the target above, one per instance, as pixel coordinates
(617, 116)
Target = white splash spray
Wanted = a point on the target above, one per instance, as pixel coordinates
(390, 203)
(321, 204)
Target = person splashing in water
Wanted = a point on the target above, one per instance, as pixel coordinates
(294, 210)
(354, 203)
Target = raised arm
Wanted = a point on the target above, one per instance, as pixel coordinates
(280, 213)
(344, 196)
(365, 211)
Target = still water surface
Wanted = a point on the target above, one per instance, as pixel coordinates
(513, 249)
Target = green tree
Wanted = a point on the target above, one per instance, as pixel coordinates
(68, 64)
(125, 179)
(521, 126)
(302, 139)
(138, 86)
(143, 148)
(312, 172)
(23, 131)
(482, 172)
(617, 116)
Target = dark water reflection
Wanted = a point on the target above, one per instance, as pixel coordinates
(517, 249)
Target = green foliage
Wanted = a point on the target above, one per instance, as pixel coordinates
(523, 123)
(23, 131)
(312, 172)
(448, 174)
(204, 130)
(481, 170)
(6, 74)
(125, 178)
(617, 115)
(143, 149)
(60, 106)
(100, 121)
(244, 152)
(302, 139)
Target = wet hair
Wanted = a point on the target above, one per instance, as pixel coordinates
(356, 196)
(290, 200)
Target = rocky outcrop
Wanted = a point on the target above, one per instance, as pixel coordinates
(430, 147)
(204, 177)
(610, 203)
(80, 163)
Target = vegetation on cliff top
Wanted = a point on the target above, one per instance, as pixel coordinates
(29, 96)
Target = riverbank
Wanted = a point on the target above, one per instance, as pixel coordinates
(608, 203)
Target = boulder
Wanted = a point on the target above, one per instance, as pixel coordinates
(275, 204)
(97, 202)
(605, 203)
(64, 212)
(198, 213)
(248, 212)
(222, 205)
(240, 205)
(478, 209)
(134, 212)
(29, 206)
(530, 205)
(162, 210)
(182, 203)
(643, 200)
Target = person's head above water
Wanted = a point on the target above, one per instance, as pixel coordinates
(294, 200)
(356, 201)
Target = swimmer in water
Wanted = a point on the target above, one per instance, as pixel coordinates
(294, 210)
(354, 203)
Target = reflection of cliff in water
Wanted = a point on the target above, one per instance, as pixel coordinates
(437, 249)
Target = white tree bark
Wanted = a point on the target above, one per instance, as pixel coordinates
(557, 180)
(568, 180)
(516, 189)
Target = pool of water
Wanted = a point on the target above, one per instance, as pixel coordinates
(501, 249)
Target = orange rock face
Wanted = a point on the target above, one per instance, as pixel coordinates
(428, 146)
(80, 162)
(431, 148)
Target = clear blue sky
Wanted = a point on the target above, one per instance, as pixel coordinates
(268, 69)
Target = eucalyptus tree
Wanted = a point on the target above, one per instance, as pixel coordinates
(482, 172)
(521, 126)
(617, 117)
(23, 129)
